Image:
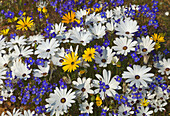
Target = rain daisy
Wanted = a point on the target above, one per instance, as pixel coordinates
(83, 86)
(138, 75)
(70, 62)
(163, 66)
(47, 48)
(60, 99)
(89, 54)
(105, 85)
(124, 45)
(144, 111)
(85, 107)
(146, 45)
(127, 27)
(105, 57)
(20, 70)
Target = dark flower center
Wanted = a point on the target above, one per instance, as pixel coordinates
(63, 100)
(61, 60)
(167, 69)
(83, 89)
(137, 77)
(144, 50)
(125, 47)
(90, 55)
(48, 50)
(103, 60)
(24, 75)
(127, 32)
(87, 107)
(72, 63)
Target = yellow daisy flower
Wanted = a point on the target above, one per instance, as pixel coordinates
(70, 62)
(98, 101)
(144, 102)
(157, 46)
(24, 24)
(89, 54)
(69, 18)
(158, 38)
(4, 31)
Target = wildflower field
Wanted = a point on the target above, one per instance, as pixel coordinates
(84, 58)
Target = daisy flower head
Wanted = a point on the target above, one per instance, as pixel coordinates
(146, 45)
(105, 57)
(163, 66)
(83, 86)
(144, 111)
(124, 45)
(70, 62)
(89, 54)
(138, 75)
(60, 100)
(47, 48)
(85, 107)
(105, 85)
(69, 18)
(24, 24)
(127, 27)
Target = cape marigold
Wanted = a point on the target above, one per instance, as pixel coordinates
(89, 54)
(24, 24)
(144, 102)
(98, 101)
(70, 62)
(158, 38)
(69, 18)
(4, 31)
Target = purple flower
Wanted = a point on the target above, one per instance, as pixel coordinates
(13, 98)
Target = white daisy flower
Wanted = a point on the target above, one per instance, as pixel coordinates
(110, 25)
(58, 28)
(83, 87)
(124, 45)
(138, 75)
(81, 13)
(118, 12)
(2, 44)
(146, 45)
(61, 99)
(124, 110)
(105, 85)
(57, 59)
(163, 66)
(158, 105)
(28, 113)
(14, 113)
(22, 51)
(127, 27)
(109, 13)
(47, 48)
(82, 37)
(5, 59)
(105, 58)
(20, 70)
(42, 71)
(6, 92)
(85, 107)
(98, 30)
(144, 111)
(35, 39)
(2, 75)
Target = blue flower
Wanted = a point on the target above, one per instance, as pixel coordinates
(30, 61)
(53, 35)
(106, 43)
(9, 74)
(47, 29)
(159, 78)
(20, 13)
(63, 85)
(37, 100)
(152, 86)
(13, 98)
(43, 109)
(34, 89)
(96, 5)
(166, 52)
(8, 83)
(38, 109)
(2, 11)
(103, 15)
(136, 59)
(13, 36)
(119, 79)
(10, 14)
(39, 62)
(1, 98)
(134, 88)
(163, 86)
